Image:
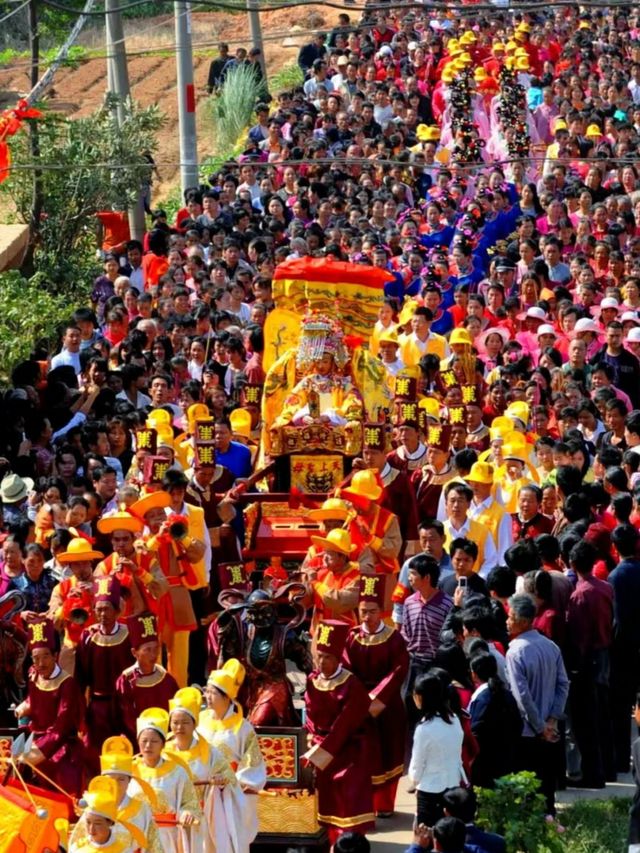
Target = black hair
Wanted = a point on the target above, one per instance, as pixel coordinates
(502, 581)
(425, 565)
(434, 695)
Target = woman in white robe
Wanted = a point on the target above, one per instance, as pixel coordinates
(222, 725)
(177, 802)
(223, 802)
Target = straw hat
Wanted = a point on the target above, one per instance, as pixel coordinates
(364, 484)
(14, 489)
(331, 509)
(79, 551)
(154, 500)
(481, 472)
(335, 540)
(121, 520)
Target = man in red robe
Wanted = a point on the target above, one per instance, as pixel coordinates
(377, 655)
(104, 651)
(398, 495)
(145, 684)
(430, 480)
(56, 710)
(337, 713)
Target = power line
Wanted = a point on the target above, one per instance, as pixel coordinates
(324, 161)
(15, 11)
(430, 6)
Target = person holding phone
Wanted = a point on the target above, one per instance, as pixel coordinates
(464, 580)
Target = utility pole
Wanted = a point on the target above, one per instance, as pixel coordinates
(118, 81)
(256, 32)
(189, 176)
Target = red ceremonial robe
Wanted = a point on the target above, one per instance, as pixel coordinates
(56, 715)
(136, 692)
(337, 714)
(399, 498)
(381, 662)
(100, 658)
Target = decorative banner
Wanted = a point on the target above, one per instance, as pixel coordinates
(349, 293)
(10, 123)
(316, 474)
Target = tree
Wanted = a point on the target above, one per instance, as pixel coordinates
(86, 165)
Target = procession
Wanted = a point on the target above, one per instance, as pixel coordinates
(334, 485)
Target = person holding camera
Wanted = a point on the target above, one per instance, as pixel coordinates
(177, 554)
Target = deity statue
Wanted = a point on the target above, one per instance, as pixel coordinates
(263, 640)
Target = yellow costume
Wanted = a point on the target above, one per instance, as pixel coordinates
(171, 780)
(223, 803)
(237, 741)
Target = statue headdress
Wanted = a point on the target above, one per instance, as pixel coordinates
(320, 336)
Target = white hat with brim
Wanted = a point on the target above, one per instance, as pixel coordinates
(481, 340)
(630, 317)
(14, 489)
(633, 337)
(545, 329)
(586, 325)
(533, 313)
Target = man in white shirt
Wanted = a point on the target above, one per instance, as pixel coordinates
(388, 352)
(458, 497)
(70, 352)
(634, 84)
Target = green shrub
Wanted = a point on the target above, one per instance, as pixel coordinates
(232, 109)
(289, 77)
(29, 313)
(516, 809)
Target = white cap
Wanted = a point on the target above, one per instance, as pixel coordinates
(545, 329)
(536, 313)
(412, 45)
(630, 317)
(633, 337)
(385, 50)
(587, 325)
(609, 302)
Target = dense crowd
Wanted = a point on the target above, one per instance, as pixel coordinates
(473, 593)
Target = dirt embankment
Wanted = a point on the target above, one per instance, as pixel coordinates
(77, 92)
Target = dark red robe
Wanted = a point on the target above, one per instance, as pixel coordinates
(136, 692)
(57, 712)
(399, 498)
(429, 486)
(100, 658)
(381, 662)
(337, 720)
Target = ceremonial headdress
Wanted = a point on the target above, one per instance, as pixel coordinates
(156, 719)
(108, 589)
(229, 679)
(320, 336)
(42, 635)
(143, 628)
(121, 520)
(189, 700)
(377, 588)
(332, 508)
(331, 637)
(102, 797)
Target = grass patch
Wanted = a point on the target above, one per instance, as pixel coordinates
(289, 77)
(74, 57)
(596, 826)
